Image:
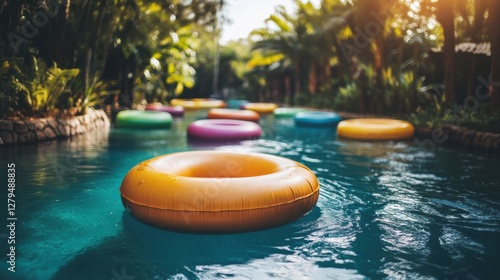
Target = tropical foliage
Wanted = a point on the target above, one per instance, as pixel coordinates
(116, 46)
(373, 55)
(35, 85)
(368, 56)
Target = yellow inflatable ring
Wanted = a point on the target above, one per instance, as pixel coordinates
(261, 108)
(375, 129)
(208, 103)
(218, 192)
(198, 103)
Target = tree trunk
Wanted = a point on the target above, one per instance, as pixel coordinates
(361, 80)
(494, 21)
(98, 31)
(481, 7)
(296, 76)
(313, 79)
(126, 98)
(379, 79)
(61, 29)
(288, 89)
(472, 76)
(344, 65)
(446, 17)
(10, 16)
(328, 77)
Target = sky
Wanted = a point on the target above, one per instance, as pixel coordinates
(247, 15)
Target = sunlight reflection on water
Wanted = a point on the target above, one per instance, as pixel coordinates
(385, 210)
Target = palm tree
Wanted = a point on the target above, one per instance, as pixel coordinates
(292, 42)
(363, 27)
(331, 32)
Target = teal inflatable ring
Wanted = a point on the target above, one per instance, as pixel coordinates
(143, 119)
(287, 112)
(317, 118)
(236, 103)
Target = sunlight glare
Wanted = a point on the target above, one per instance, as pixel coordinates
(431, 24)
(155, 63)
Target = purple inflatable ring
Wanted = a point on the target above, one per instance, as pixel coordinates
(175, 111)
(218, 129)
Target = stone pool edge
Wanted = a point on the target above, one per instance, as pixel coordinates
(44, 129)
(459, 137)
(38, 130)
(450, 135)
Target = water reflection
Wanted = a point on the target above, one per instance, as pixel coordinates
(142, 249)
(53, 163)
(385, 210)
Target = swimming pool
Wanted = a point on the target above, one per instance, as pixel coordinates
(386, 210)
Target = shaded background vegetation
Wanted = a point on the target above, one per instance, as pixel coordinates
(395, 57)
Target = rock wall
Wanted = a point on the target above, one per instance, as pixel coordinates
(12, 132)
(37, 130)
(460, 137)
(451, 135)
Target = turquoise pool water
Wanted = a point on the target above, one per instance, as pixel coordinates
(386, 210)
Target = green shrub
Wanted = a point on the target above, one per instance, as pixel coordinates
(83, 97)
(29, 88)
(477, 119)
(302, 99)
(347, 99)
(8, 95)
(38, 87)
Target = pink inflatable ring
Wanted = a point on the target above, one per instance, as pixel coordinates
(218, 129)
(175, 111)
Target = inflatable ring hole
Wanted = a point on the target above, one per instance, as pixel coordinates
(235, 166)
(223, 129)
(228, 124)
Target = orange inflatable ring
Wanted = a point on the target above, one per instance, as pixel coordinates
(375, 129)
(261, 108)
(218, 192)
(242, 115)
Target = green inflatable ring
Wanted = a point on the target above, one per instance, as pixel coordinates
(143, 119)
(287, 112)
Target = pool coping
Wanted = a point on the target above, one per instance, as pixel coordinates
(38, 130)
(44, 129)
(449, 135)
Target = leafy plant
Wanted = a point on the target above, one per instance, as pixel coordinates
(347, 98)
(476, 119)
(432, 95)
(40, 86)
(151, 87)
(84, 97)
(8, 97)
(177, 56)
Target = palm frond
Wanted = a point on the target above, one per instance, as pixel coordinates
(280, 22)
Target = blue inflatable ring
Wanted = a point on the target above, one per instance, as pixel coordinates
(317, 118)
(236, 103)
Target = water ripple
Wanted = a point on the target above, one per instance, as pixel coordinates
(386, 210)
